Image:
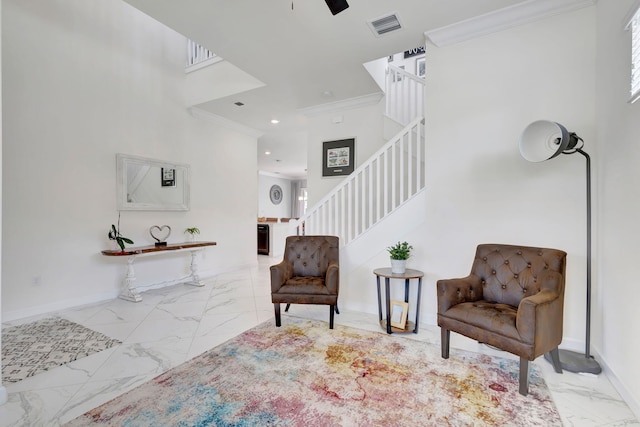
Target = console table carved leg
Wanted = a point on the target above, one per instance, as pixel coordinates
(195, 278)
(129, 291)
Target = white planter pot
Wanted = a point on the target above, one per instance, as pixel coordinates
(398, 266)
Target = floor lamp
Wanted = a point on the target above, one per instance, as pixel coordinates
(543, 140)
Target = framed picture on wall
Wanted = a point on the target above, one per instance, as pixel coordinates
(168, 177)
(338, 157)
(420, 64)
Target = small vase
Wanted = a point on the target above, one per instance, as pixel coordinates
(398, 266)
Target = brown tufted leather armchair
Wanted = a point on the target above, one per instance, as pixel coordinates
(512, 300)
(308, 274)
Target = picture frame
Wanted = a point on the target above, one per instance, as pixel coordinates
(420, 67)
(338, 157)
(398, 313)
(168, 177)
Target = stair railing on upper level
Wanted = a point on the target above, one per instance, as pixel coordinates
(392, 176)
(199, 56)
(404, 95)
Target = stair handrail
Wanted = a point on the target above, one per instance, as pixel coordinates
(404, 93)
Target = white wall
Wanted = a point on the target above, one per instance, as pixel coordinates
(481, 94)
(619, 208)
(266, 208)
(84, 81)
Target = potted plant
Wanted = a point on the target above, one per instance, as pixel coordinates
(114, 234)
(399, 253)
(192, 231)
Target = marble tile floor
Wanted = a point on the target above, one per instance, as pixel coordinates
(174, 324)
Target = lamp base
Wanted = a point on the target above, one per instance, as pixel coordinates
(576, 362)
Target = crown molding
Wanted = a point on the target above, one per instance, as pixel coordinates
(199, 113)
(346, 104)
(502, 19)
(283, 176)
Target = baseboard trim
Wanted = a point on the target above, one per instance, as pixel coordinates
(8, 316)
(626, 395)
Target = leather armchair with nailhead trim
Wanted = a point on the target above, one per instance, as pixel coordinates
(308, 274)
(513, 300)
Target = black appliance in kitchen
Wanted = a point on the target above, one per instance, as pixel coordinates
(263, 239)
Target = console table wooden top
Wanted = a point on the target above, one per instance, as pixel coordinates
(152, 248)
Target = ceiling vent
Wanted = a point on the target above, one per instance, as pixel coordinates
(385, 24)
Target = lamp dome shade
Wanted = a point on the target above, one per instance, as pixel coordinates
(543, 140)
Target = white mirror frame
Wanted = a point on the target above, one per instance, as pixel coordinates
(122, 160)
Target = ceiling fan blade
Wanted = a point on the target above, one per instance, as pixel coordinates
(337, 6)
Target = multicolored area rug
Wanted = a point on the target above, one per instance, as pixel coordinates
(39, 346)
(304, 374)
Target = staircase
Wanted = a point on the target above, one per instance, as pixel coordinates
(387, 180)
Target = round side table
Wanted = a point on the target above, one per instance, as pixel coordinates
(406, 276)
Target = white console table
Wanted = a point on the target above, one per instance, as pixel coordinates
(129, 291)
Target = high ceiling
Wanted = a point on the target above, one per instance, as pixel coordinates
(304, 55)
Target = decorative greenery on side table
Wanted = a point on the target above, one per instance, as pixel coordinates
(114, 234)
(401, 251)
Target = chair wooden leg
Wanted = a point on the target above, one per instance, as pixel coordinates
(445, 334)
(286, 309)
(555, 360)
(524, 376)
(331, 310)
(277, 309)
(337, 311)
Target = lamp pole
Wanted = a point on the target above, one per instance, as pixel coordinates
(569, 360)
(587, 350)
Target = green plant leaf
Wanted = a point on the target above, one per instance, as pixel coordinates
(400, 251)
(113, 233)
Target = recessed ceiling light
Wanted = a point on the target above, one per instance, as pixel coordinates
(327, 94)
(267, 152)
(275, 121)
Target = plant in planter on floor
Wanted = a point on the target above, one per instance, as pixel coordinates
(192, 231)
(399, 253)
(114, 234)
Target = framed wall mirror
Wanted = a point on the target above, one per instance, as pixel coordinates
(151, 185)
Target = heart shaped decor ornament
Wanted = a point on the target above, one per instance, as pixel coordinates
(162, 233)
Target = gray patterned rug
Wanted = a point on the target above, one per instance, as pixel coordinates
(39, 346)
